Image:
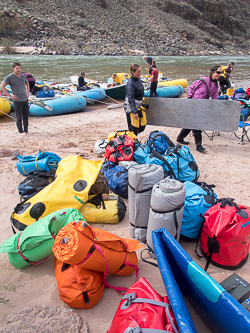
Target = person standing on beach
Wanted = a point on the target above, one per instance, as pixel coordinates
(20, 94)
(203, 88)
(133, 99)
(150, 62)
(154, 81)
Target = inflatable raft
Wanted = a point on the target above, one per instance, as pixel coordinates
(180, 274)
(62, 105)
(179, 82)
(5, 107)
(166, 91)
(97, 94)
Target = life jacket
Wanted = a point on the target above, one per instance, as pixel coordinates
(74, 178)
(114, 135)
(142, 118)
(78, 287)
(225, 234)
(224, 73)
(32, 245)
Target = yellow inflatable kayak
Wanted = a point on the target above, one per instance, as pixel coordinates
(5, 107)
(179, 82)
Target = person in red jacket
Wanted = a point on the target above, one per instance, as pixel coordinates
(154, 81)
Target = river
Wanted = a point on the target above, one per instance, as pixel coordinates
(58, 69)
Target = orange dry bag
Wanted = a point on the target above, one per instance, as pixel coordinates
(96, 249)
(78, 287)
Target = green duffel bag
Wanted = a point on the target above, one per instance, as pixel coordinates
(34, 244)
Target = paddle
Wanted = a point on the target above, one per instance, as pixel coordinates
(89, 101)
(41, 103)
(68, 93)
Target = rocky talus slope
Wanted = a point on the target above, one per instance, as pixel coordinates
(123, 27)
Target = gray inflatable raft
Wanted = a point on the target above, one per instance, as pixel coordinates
(141, 179)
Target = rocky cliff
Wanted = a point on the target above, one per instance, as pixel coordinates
(124, 27)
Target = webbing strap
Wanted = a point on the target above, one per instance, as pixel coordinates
(144, 330)
(23, 168)
(36, 162)
(120, 290)
(131, 298)
(142, 191)
(23, 256)
(167, 211)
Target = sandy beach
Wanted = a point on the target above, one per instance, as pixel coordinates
(225, 165)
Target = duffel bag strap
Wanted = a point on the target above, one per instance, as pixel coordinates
(152, 143)
(158, 155)
(144, 330)
(131, 298)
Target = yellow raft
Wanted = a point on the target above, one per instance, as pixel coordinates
(5, 107)
(179, 82)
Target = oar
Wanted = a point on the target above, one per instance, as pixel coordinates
(68, 93)
(42, 104)
(89, 101)
(39, 103)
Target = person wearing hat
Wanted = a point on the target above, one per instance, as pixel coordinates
(150, 62)
(117, 79)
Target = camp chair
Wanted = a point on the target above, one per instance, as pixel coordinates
(242, 133)
(214, 133)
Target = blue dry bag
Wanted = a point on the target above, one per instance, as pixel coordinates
(117, 177)
(199, 198)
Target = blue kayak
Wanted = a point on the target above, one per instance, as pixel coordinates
(166, 91)
(181, 275)
(62, 105)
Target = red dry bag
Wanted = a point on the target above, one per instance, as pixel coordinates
(143, 308)
(120, 149)
(225, 236)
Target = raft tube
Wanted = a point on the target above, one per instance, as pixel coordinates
(97, 94)
(180, 274)
(168, 91)
(62, 105)
(179, 82)
(5, 107)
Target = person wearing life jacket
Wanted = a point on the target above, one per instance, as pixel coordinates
(134, 100)
(224, 79)
(203, 88)
(117, 79)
